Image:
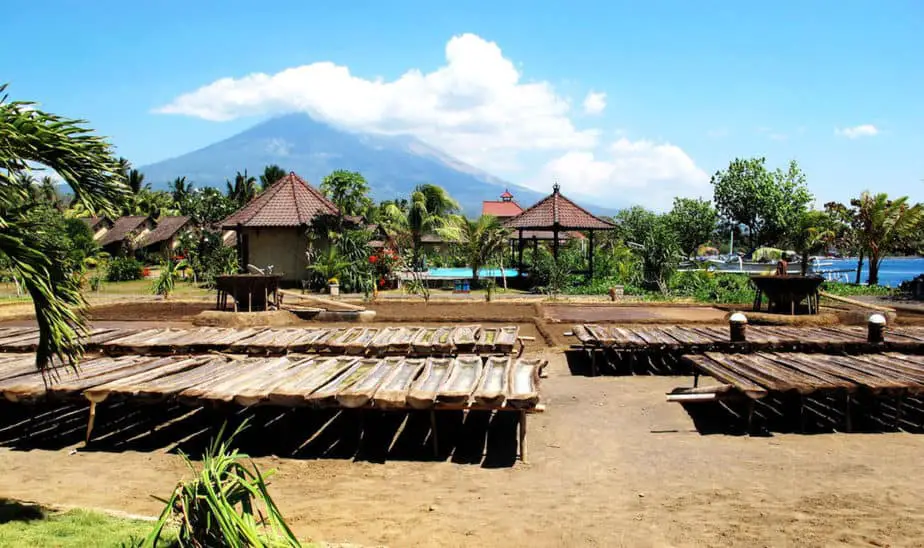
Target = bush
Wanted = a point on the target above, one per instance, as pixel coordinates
(711, 287)
(123, 269)
(848, 290)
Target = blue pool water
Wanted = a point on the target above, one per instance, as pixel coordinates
(892, 272)
(468, 273)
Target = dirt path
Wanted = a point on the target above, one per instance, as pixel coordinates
(612, 464)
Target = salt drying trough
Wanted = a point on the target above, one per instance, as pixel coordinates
(296, 380)
(660, 346)
(359, 341)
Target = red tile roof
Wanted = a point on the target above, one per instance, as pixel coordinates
(557, 210)
(501, 209)
(290, 201)
(506, 194)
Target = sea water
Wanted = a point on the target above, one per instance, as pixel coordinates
(892, 271)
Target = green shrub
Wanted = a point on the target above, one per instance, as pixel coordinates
(711, 287)
(123, 269)
(847, 290)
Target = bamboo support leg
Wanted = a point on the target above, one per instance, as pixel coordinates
(522, 431)
(848, 423)
(593, 363)
(751, 405)
(898, 411)
(91, 421)
(434, 436)
(695, 379)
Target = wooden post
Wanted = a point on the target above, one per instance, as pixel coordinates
(436, 441)
(91, 422)
(523, 452)
(875, 329)
(737, 327)
(555, 241)
(520, 251)
(590, 257)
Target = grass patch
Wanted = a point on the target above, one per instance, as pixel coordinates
(143, 287)
(853, 290)
(33, 526)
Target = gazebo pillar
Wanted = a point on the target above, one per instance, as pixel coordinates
(520, 250)
(590, 257)
(555, 241)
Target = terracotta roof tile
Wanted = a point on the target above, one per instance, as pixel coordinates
(500, 209)
(290, 201)
(556, 209)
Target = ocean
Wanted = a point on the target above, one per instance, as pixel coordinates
(892, 272)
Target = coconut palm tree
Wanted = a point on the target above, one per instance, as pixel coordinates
(243, 189)
(437, 200)
(482, 240)
(813, 231)
(180, 189)
(271, 174)
(884, 225)
(86, 163)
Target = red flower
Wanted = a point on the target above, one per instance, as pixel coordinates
(373, 259)
(381, 282)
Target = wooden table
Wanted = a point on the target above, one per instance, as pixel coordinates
(785, 293)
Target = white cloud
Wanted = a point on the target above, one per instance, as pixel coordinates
(595, 102)
(855, 132)
(629, 172)
(479, 108)
(476, 107)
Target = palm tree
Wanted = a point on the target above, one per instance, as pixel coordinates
(88, 166)
(135, 181)
(813, 232)
(180, 189)
(482, 241)
(271, 174)
(884, 226)
(438, 201)
(243, 189)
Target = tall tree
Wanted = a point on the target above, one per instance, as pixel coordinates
(767, 202)
(135, 180)
(348, 190)
(812, 233)
(243, 189)
(634, 223)
(437, 200)
(271, 174)
(885, 226)
(180, 189)
(406, 227)
(694, 221)
(481, 240)
(88, 166)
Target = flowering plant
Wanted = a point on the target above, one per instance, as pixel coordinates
(333, 281)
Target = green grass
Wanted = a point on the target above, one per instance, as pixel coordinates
(853, 290)
(32, 526)
(143, 287)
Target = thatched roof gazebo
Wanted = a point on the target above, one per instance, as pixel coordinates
(555, 213)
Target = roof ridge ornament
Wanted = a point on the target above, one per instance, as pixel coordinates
(556, 187)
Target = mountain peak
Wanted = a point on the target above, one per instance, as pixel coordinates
(392, 164)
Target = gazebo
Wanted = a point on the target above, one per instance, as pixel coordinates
(555, 213)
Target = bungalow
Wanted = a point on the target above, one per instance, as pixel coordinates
(137, 233)
(271, 230)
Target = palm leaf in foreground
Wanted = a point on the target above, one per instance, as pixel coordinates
(227, 504)
(31, 138)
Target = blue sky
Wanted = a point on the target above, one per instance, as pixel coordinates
(688, 86)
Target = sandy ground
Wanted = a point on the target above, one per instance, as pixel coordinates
(611, 464)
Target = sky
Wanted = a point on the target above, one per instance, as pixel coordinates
(621, 102)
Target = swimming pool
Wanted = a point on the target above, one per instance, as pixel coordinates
(467, 273)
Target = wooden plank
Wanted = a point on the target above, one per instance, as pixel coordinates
(621, 337)
(401, 342)
(492, 389)
(464, 378)
(726, 375)
(790, 377)
(129, 385)
(859, 376)
(394, 391)
(258, 390)
(231, 385)
(523, 384)
(327, 394)
(360, 392)
(603, 336)
(763, 377)
(310, 378)
(423, 393)
(583, 335)
(828, 380)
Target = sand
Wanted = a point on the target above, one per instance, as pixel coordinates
(611, 464)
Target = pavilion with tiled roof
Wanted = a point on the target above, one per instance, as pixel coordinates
(556, 213)
(271, 228)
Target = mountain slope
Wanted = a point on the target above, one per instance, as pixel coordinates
(393, 165)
